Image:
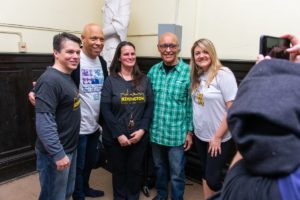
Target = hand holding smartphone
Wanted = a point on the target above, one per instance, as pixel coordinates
(274, 47)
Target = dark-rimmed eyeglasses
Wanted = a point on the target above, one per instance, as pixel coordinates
(164, 47)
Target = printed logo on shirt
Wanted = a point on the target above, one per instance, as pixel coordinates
(92, 81)
(76, 103)
(198, 97)
(132, 98)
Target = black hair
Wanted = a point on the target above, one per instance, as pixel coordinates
(62, 37)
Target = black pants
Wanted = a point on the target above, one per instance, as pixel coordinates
(86, 158)
(127, 169)
(149, 172)
(213, 168)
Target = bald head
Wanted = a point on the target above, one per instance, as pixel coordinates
(168, 48)
(168, 36)
(91, 27)
(92, 39)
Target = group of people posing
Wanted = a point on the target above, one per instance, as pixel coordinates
(76, 99)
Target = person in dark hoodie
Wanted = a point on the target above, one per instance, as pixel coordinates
(265, 124)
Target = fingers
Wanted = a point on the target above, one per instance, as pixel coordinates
(294, 40)
(268, 57)
(63, 163)
(136, 136)
(187, 145)
(261, 57)
(296, 59)
(63, 167)
(31, 97)
(134, 140)
(295, 49)
(214, 150)
(188, 142)
(123, 141)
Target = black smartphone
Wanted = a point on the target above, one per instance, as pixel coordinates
(274, 47)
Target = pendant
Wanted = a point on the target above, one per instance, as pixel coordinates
(131, 123)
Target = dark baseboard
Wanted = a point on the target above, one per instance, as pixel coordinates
(17, 166)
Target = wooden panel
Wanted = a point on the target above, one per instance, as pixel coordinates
(17, 131)
(14, 112)
(239, 67)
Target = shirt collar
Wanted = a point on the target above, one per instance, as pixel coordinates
(177, 66)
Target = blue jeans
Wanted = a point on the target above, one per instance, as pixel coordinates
(169, 163)
(86, 158)
(55, 185)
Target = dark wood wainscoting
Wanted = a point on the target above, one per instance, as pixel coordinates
(17, 129)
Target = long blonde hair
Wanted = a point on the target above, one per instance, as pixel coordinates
(196, 71)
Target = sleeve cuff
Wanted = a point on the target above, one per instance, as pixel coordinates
(60, 155)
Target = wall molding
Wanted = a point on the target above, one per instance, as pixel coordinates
(38, 28)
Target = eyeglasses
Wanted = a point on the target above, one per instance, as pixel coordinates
(164, 47)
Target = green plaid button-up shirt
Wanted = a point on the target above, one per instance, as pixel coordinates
(172, 117)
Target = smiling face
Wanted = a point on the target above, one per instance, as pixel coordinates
(202, 57)
(168, 48)
(68, 58)
(93, 40)
(127, 57)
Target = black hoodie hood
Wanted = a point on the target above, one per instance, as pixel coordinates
(265, 118)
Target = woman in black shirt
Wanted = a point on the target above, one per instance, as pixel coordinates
(127, 106)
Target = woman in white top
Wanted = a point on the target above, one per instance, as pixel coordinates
(213, 90)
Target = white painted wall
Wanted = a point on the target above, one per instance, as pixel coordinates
(39, 20)
(233, 25)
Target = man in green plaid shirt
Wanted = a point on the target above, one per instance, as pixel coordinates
(170, 131)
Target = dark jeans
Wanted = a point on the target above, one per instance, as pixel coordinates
(169, 162)
(86, 158)
(127, 169)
